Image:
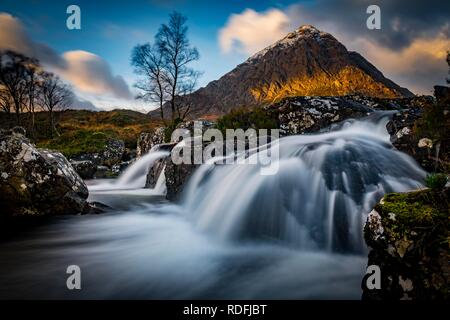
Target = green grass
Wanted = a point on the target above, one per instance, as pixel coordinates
(436, 181)
(83, 131)
(72, 143)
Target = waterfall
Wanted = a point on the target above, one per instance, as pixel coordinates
(318, 199)
(134, 177)
(284, 233)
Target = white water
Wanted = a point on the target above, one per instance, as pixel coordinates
(236, 234)
(133, 179)
(319, 198)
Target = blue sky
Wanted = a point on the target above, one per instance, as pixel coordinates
(110, 29)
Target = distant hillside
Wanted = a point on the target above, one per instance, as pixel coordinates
(306, 62)
(83, 130)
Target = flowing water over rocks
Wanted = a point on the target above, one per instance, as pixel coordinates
(235, 233)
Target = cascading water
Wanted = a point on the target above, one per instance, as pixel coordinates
(134, 177)
(318, 199)
(301, 226)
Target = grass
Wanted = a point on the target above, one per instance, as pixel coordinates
(84, 131)
(436, 181)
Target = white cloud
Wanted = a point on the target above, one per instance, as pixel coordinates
(87, 72)
(250, 31)
(91, 74)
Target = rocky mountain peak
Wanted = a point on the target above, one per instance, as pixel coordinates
(305, 62)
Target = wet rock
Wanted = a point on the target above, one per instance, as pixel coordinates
(86, 169)
(147, 140)
(311, 114)
(113, 152)
(408, 238)
(101, 172)
(154, 173)
(128, 155)
(415, 135)
(110, 155)
(37, 182)
(177, 177)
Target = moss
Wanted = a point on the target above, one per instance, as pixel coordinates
(414, 244)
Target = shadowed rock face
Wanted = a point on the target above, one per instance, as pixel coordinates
(307, 62)
(37, 182)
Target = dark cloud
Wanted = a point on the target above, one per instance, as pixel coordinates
(402, 21)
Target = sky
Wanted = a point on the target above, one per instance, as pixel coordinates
(410, 48)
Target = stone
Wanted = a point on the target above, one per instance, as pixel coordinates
(101, 172)
(425, 143)
(36, 182)
(412, 250)
(147, 140)
(85, 168)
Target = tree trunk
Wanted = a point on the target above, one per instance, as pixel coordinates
(52, 123)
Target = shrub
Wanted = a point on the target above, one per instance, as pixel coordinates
(170, 128)
(244, 119)
(436, 181)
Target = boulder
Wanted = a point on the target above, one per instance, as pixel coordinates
(147, 140)
(37, 182)
(110, 155)
(85, 168)
(176, 177)
(408, 238)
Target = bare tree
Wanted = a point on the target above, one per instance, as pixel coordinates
(54, 95)
(14, 80)
(5, 100)
(34, 73)
(177, 53)
(148, 61)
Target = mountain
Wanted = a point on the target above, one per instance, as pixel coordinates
(306, 62)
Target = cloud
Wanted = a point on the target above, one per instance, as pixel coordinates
(86, 71)
(14, 37)
(91, 74)
(251, 31)
(419, 66)
(402, 21)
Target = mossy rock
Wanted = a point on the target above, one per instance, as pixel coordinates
(409, 236)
